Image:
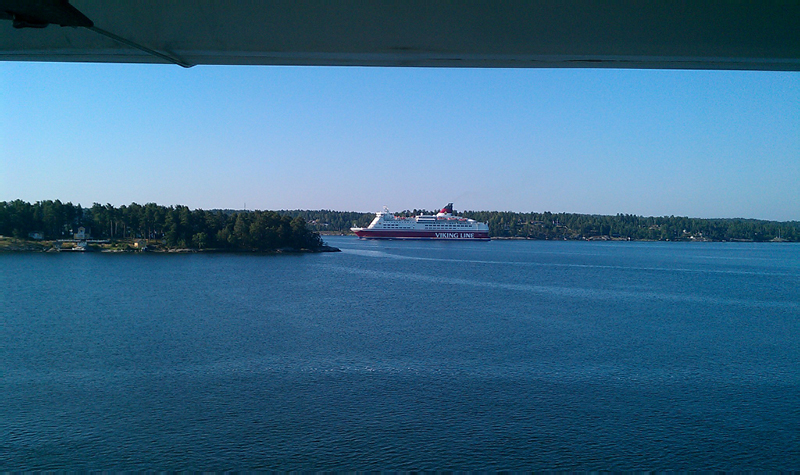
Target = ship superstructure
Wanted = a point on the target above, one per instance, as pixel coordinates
(442, 225)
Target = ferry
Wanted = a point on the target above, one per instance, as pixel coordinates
(441, 226)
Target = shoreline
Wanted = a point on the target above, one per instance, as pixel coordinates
(23, 245)
(12, 245)
(591, 239)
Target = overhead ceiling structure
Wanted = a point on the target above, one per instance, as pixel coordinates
(663, 34)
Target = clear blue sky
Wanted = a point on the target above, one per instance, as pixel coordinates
(691, 143)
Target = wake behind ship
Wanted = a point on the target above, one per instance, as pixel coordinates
(441, 226)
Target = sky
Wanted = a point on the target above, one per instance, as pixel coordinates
(705, 144)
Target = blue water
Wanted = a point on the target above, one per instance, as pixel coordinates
(507, 355)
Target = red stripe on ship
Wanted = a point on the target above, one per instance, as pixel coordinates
(442, 235)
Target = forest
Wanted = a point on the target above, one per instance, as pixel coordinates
(626, 226)
(174, 226)
(180, 227)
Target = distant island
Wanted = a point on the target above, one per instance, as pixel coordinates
(53, 225)
(56, 226)
(585, 227)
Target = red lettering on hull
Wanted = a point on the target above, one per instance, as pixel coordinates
(440, 235)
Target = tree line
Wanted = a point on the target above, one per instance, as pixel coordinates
(627, 226)
(175, 226)
(178, 226)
